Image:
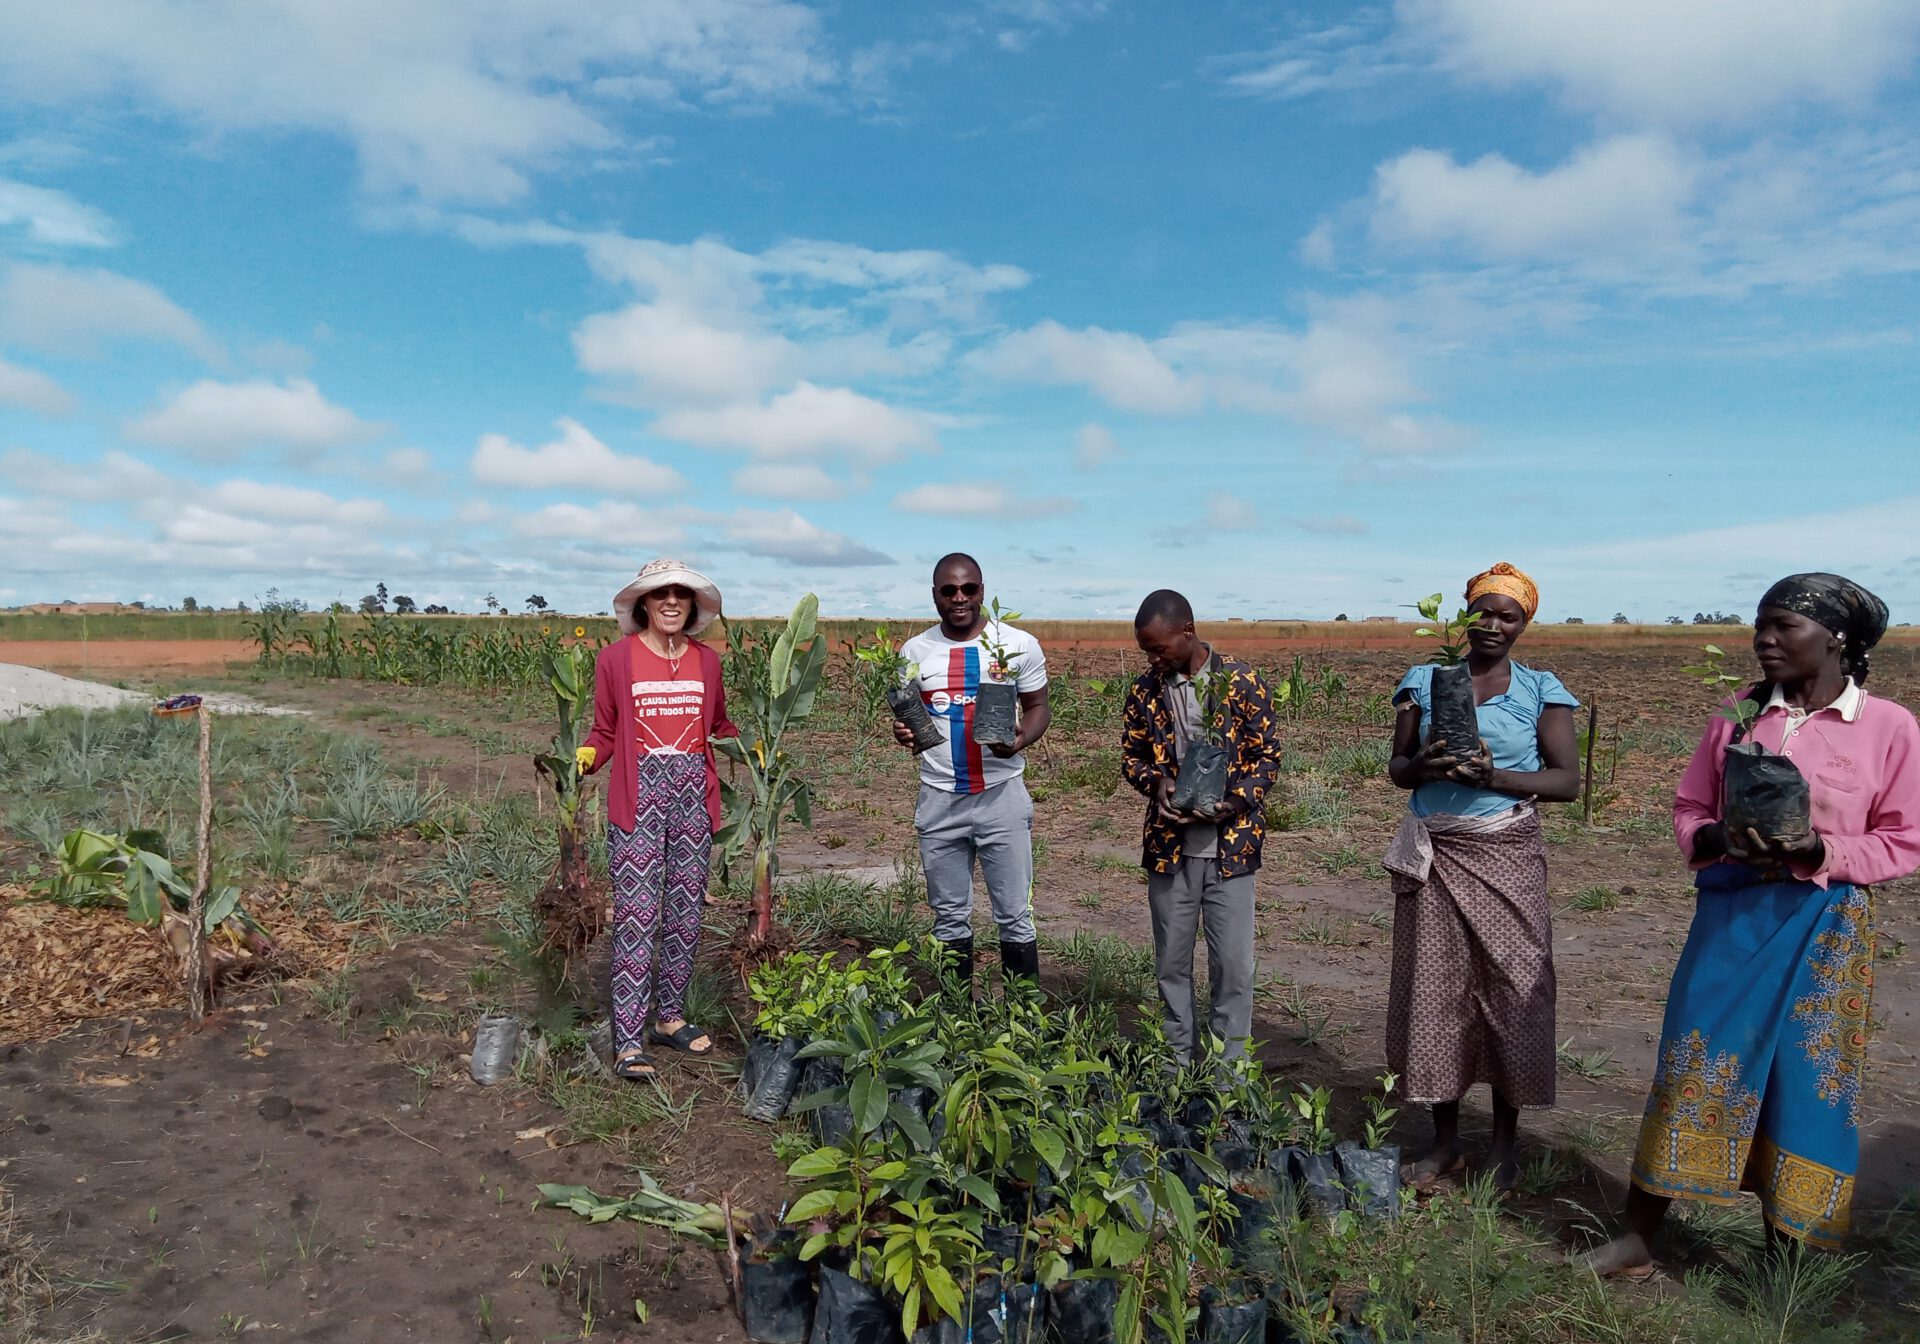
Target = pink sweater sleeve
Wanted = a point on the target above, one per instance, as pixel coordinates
(1890, 848)
(1696, 802)
(606, 706)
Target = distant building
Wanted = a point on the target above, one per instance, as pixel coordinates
(1394, 620)
(73, 609)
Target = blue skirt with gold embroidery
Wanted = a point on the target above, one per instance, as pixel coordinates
(1763, 1052)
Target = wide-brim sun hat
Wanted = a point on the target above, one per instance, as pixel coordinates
(664, 573)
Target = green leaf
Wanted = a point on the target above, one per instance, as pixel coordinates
(819, 1162)
(910, 1124)
(556, 1195)
(1052, 1148)
(1175, 1198)
(1129, 1244)
(811, 1205)
(868, 1100)
(945, 1292)
(805, 618)
(220, 904)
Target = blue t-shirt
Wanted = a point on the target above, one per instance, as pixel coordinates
(1509, 725)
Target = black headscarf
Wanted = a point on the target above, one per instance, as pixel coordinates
(1842, 606)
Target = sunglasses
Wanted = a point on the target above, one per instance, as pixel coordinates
(672, 592)
(952, 590)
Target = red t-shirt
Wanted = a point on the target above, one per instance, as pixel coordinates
(666, 700)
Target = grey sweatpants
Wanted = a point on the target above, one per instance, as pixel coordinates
(995, 828)
(1182, 902)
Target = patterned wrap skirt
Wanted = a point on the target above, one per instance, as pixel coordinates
(1472, 998)
(1763, 1052)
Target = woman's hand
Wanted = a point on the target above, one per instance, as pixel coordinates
(583, 759)
(1476, 769)
(1746, 845)
(1434, 761)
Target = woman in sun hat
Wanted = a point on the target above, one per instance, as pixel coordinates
(1472, 996)
(657, 704)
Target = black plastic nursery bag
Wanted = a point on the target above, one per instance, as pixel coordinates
(996, 712)
(1237, 1323)
(1454, 719)
(910, 709)
(851, 1312)
(1024, 1314)
(1372, 1178)
(1764, 792)
(776, 1300)
(1083, 1310)
(1202, 781)
(770, 1077)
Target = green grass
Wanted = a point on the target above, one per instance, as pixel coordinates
(1595, 900)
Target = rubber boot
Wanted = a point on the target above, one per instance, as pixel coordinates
(962, 950)
(1022, 959)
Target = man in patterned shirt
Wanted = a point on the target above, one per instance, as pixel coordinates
(1199, 868)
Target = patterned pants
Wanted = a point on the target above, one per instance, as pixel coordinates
(659, 872)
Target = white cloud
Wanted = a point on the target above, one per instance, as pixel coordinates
(634, 524)
(407, 466)
(807, 423)
(115, 475)
(787, 480)
(1118, 366)
(782, 534)
(259, 501)
(1628, 193)
(214, 420)
(1667, 64)
(68, 311)
(32, 390)
(674, 354)
(978, 499)
(575, 460)
(458, 101)
(52, 218)
(1345, 56)
(1093, 447)
(1229, 513)
(1344, 374)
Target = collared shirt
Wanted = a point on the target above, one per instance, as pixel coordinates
(1202, 839)
(1861, 759)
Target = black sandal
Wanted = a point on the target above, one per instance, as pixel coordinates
(682, 1039)
(635, 1067)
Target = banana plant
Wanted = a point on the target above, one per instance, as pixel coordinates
(569, 905)
(773, 691)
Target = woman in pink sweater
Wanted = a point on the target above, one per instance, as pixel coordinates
(1757, 1084)
(658, 703)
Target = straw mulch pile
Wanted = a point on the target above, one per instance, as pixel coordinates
(60, 967)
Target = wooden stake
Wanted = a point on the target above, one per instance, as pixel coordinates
(196, 968)
(1593, 733)
(733, 1258)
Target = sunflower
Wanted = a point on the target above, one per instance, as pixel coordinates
(579, 632)
(546, 630)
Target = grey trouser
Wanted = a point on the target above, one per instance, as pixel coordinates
(994, 827)
(1181, 902)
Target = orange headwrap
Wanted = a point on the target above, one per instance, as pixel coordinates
(1507, 581)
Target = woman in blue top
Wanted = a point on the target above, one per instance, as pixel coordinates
(1473, 989)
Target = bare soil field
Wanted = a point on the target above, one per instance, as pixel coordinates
(314, 1162)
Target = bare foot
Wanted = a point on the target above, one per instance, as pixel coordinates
(1438, 1162)
(1505, 1168)
(1626, 1256)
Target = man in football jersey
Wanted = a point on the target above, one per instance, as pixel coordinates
(974, 806)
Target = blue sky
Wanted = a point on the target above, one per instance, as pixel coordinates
(1301, 309)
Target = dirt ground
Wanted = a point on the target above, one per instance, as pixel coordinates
(322, 1179)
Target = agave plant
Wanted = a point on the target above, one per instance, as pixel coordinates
(570, 905)
(774, 686)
